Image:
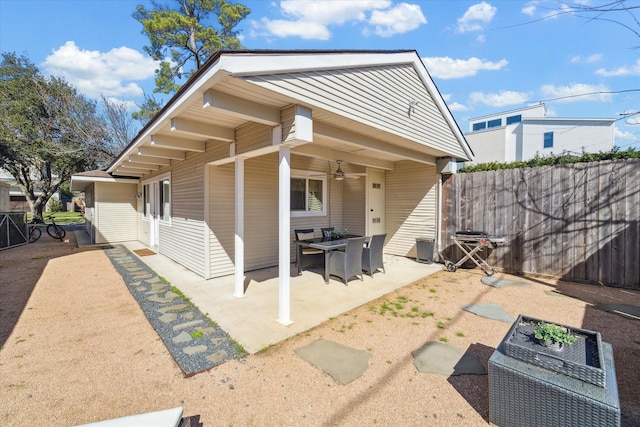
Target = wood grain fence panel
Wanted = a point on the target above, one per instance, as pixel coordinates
(618, 220)
(543, 205)
(578, 238)
(559, 219)
(632, 226)
(500, 214)
(477, 196)
(521, 214)
(592, 261)
(605, 219)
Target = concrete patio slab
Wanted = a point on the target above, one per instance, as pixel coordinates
(252, 319)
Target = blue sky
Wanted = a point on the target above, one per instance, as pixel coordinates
(484, 56)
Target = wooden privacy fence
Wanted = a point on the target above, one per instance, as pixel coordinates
(578, 222)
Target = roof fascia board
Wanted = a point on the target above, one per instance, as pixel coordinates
(241, 65)
(566, 119)
(101, 179)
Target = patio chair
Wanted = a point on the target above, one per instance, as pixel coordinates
(307, 257)
(347, 264)
(372, 255)
(326, 232)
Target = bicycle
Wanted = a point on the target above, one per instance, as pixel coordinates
(53, 230)
(34, 232)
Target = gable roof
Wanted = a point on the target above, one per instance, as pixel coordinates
(384, 97)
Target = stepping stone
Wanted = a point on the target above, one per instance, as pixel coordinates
(217, 357)
(217, 341)
(155, 280)
(208, 330)
(188, 316)
(195, 349)
(168, 317)
(556, 294)
(343, 363)
(141, 289)
(439, 358)
(490, 311)
(182, 326)
(158, 299)
(171, 295)
(182, 338)
(135, 284)
(129, 265)
(497, 282)
(624, 310)
(176, 307)
(158, 286)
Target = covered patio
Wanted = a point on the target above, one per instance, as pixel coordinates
(252, 320)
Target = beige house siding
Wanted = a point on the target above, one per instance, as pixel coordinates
(411, 204)
(115, 212)
(183, 239)
(251, 137)
(373, 96)
(261, 211)
(222, 219)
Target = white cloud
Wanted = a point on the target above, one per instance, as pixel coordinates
(313, 19)
(113, 73)
(625, 70)
(576, 92)
(456, 106)
(501, 99)
(304, 30)
(530, 8)
(453, 106)
(330, 12)
(624, 135)
(633, 121)
(476, 17)
(596, 57)
(400, 19)
(449, 68)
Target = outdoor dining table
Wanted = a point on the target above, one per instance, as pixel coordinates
(325, 244)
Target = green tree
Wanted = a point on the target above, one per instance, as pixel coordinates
(184, 38)
(47, 131)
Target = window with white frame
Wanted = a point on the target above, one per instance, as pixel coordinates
(165, 199)
(308, 194)
(146, 200)
(156, 198)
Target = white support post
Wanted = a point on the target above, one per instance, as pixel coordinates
(239, 234)
(284, 244)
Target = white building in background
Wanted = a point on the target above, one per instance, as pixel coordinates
(518, 135)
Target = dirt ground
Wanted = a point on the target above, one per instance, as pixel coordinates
(76, 348)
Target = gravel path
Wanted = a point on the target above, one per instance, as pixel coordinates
(77, 348)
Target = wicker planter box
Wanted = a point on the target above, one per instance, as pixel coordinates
(534, 394)
(582, 360)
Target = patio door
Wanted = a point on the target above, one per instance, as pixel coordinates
(154, 217)
(375, 202)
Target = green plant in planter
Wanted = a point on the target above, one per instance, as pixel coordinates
(549, 332)
(336, 235)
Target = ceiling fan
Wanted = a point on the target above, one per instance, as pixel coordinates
(339, 174)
